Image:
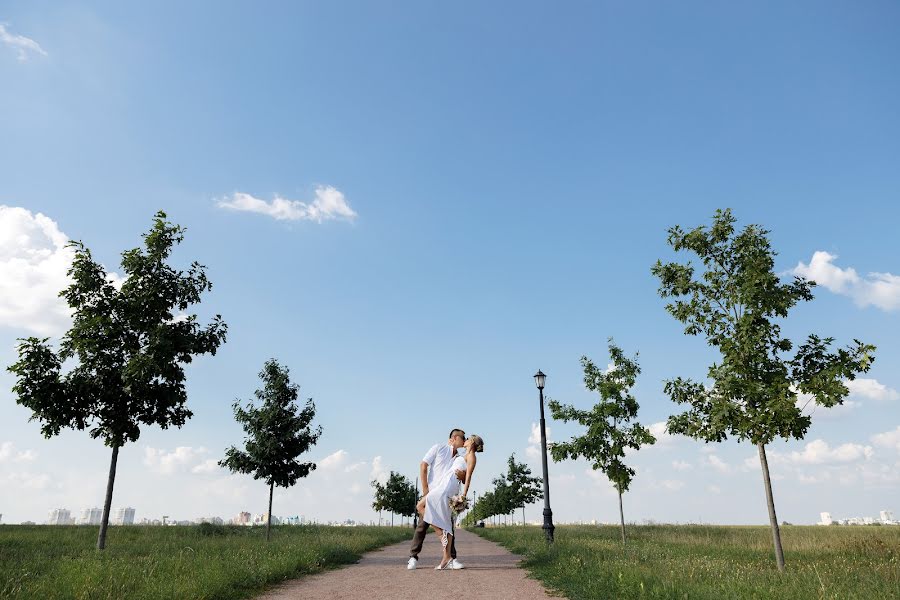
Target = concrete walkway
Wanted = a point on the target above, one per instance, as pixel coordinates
(491, 572)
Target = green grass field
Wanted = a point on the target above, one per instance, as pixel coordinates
(709, 562)
(173, 562)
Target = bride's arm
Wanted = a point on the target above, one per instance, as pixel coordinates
(470, 468)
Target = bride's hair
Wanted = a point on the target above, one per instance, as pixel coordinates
(477, 443)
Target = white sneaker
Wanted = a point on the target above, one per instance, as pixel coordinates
(455, 564)
(411, 565)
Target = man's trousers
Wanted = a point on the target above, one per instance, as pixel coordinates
(419, 539)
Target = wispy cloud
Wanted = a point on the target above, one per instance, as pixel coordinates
(8, 452)
(888, 439)
(876, 289)
(20, 44)
(329, 204)
(818, 452)
(872, 389)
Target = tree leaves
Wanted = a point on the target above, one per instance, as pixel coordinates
(129, 349)
(609, 427)
(736, 302)
(278, 431)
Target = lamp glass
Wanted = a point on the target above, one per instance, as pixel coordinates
(539, 380)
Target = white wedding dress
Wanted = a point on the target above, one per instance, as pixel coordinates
(437, 502)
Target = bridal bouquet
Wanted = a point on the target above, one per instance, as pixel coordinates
(458, 503)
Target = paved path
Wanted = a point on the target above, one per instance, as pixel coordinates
(491, 572)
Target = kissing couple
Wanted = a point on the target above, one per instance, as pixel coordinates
(442, 470)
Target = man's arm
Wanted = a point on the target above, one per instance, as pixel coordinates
(423, 475)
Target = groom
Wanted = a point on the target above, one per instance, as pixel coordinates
(434, 465)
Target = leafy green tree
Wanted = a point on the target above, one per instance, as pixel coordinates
(380, 501)
(277, 431)
(400, 496)
(736, 301)
(128, 345)
(524, 489)
(610, 425)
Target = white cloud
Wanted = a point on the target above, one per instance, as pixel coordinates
(182, 458)
(533, 451)
(713, 489)
(210, 465)
(717, 463)
(8, 453)
(25, 481)
(663, 437)
(888, 439)
(818, 452)
(680, 465)
(671, 485)
(328, 204)
(33, 264)
(877, 289)
(333, 461)
(34, 260)
(872, 389)
(21, 44)
(378, 473)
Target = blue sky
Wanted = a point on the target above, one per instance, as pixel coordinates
(510, 172)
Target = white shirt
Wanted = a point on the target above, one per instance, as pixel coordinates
(439, 458)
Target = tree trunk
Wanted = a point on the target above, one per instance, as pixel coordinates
(269, 520)
(379, 519)
(770, 502)
(523, 515)
(107, 504)
(392, 518)
(621, 517)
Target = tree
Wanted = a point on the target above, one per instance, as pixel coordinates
(380, 501)
(278, 432)
(524, 489)
(400, 496)
(735, 300)
(610, 425)
(128, 345)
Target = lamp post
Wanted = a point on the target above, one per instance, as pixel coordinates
(548, 528)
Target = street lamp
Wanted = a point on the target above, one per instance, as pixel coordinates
(548, 528)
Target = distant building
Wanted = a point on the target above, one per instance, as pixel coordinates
(264, 517)
(886, 516)
(825, 519)
(60, 516)
(123, 516)
(212, 520)
(243, 518)
(90, 516)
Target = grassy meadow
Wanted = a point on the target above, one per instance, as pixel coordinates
(173, 562)
(710, 562)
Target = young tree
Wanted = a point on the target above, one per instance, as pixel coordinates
(400, 496)
(610, 424)
(380, 501)
(735, 300)
(278, 431)
(524, 489)
(129, 349)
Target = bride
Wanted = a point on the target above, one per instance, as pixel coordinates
(435, 507)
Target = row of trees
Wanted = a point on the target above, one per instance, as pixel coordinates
(129, 344)
(736, 300)
(514, 489)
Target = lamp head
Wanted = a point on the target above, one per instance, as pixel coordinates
(539, 378)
